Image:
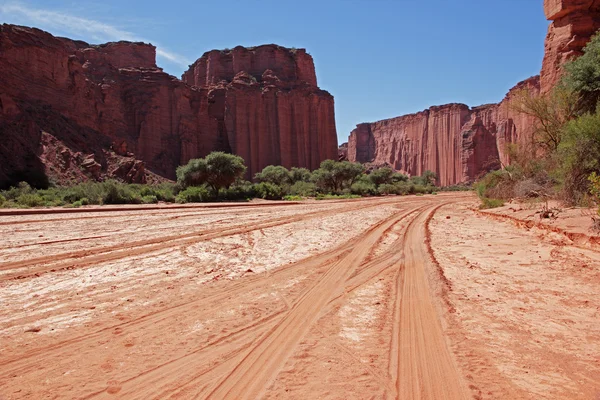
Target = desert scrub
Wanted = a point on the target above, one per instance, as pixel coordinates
(487, 203)
(194, 194)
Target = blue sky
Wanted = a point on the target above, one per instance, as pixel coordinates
(379, 58)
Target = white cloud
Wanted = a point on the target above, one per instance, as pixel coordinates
(88, 28)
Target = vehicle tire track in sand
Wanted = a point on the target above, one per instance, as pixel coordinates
(82, 258)
(260, 365)
(421, 363)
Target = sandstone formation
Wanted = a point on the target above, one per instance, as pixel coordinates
(459, 143)
(343, 152)
(120, 115)
(456, 142)
(267, 105)
(573, 24)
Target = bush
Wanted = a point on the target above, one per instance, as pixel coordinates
(194, 194)
(336, 196)
(580, 155)
(300, 175)
(2, 200)
(117, 193)
(217, 170)
(335, 176)
(149, 200)
(381, 176)
(241, 190)
(487, 203)
(277, 175)
(304, 189)
(293, 198)
(363, 187)
(30, 200)
(268, 191)
(77, 204)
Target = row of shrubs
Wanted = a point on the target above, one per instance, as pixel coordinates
(219, 179)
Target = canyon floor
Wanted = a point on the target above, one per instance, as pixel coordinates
(396, 297)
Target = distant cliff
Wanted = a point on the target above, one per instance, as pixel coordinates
(460, 143)
(267, 105)
(71, 111)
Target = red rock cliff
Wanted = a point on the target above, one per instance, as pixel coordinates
(573, 24)
(454, 141)
(88, 98)
(268, 106)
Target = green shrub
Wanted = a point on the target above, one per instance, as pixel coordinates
(335, 176)
(381, 176)
(77, 204)
(2, 200)
(363, 187)
(304, 189)
(241, 190)
(14, 192)
(30, 200)
(322, 196)
(292, 198)
(217, 170)
(300, 175)
(149, 199)
(268, 191)
(275, 174)
(117, 193)
(388, 188)
(487, 203)
(194, 194)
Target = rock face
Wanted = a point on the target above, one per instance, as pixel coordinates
(112, 99)
(459, 143)
(267, 105)
(573, 24)
(456, 142)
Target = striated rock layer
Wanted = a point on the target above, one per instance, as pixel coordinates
(267, 105)
(111, 102)
(456, 142)
(574, 22)
(461, 143)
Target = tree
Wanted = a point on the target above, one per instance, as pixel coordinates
(300, 175)
(277, 175)
(580, 154)
(381, 176)
(550, 111)
(217, 170)
(335, 175)
(429, 178)
(582, 76)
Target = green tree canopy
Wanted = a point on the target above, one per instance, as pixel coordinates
(217, 170)
(335, 175)
(300, 175)
(275, 174)
(582, 75)
(381, 176)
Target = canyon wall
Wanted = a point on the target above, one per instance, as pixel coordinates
(455, 141)
(268, 106)
(573, 24)
(459, 143)
(74, 111)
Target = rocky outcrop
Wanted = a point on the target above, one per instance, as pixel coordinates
(267, 105)
(113, 99)
(343, 152)
(573, 24)
(459, 143)
(456, 142)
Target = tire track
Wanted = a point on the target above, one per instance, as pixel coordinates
(83, 258)
(267, 356)
(421, 363)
